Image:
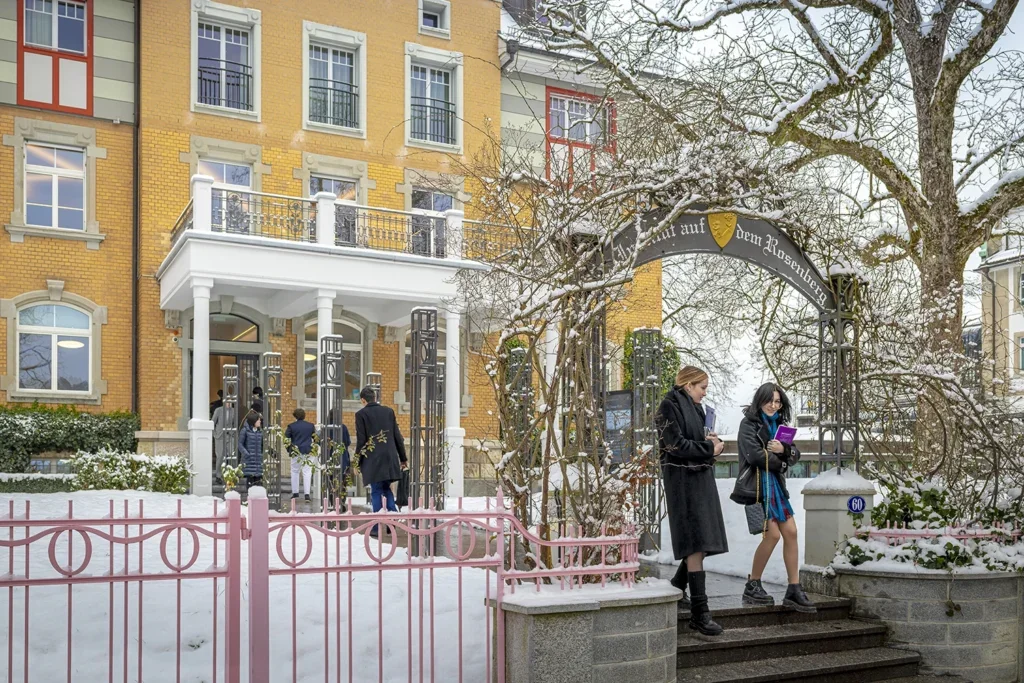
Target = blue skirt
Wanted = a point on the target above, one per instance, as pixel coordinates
(776, 507)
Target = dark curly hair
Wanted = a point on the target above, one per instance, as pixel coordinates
(764, 394)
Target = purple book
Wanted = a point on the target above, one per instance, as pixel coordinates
(709, 418)
(785, 434)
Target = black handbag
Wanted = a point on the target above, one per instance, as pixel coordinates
(402, 495)
(756, 523)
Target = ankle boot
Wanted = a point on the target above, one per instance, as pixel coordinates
(679, 581)
(755, 594)
(700, 615)
(797, 599)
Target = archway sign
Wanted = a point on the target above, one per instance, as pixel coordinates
(752, 240)
(766, 246)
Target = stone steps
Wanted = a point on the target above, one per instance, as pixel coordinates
(758, 642)
(776, 643)
(851, 666)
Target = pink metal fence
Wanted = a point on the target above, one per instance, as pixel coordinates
(901, 533)
(317, 598)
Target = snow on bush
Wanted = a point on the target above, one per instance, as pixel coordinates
(924, 506)
(118, 470)
(27, 431)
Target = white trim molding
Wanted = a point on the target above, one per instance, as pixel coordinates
(342, 39)
(338, 168)
(54, 292)
(53, 133)
(242, 18)
(443, 9)
(421, 55)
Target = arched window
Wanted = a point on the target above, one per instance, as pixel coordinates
(54, 348)
(352, 333)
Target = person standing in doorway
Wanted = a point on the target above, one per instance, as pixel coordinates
(764, 461)
(218, 441)
(300, 434)
(688, 453)
(250, 449)
(380, 449)
(218, 403)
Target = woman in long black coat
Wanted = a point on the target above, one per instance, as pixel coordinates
(688, 455)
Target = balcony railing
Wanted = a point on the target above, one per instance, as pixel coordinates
(333, 103)
(319, 220)
(264, 215)
(225, 84)
(432, 120)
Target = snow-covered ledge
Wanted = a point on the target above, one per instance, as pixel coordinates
(830, 502)
(591, 633)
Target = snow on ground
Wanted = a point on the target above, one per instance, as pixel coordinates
(742, 544)
(316, 603)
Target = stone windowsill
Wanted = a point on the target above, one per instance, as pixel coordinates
(18, 232)
(16, 396)
(242, 114)
(335, 130)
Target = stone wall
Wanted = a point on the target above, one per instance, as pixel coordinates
(610, 635)
(970, 625)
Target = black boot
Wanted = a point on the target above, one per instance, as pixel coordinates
(679, 581)
(700, 615)
(797, 599)
(755, 594)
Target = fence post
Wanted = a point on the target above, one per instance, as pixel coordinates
(259, 587)
(499, 612)
(233, 599)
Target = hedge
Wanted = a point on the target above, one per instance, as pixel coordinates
(30, 430)
(37, 483)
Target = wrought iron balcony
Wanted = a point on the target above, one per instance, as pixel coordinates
(224, 84)
(433, 120)
(333, 103)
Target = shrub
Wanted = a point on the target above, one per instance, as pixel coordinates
(30, 430)
(111, 469)
(37, 483)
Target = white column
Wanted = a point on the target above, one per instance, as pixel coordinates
(202, 203)
(200, 427)
(325, 218)
(550, 360)
(454, 229)
(455, 435)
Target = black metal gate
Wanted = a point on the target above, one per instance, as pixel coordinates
(273, 431)
(426, 413)
(231, 419)
(330, 409)
(646, 369)
(839, 375)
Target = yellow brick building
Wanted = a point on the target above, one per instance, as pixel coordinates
(334, 134)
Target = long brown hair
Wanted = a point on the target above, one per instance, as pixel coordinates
(690, 375)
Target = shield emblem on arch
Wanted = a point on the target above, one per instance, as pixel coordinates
(723, 227)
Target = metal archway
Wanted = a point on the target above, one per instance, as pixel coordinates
(760, 243)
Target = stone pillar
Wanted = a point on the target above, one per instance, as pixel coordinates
(325, 218)
(609, 634)
(202, 203)
(828, 500)
(200, 427)
(455, 436)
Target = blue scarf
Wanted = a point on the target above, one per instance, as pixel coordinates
(772, 423)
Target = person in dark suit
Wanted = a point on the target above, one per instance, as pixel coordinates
(218, 403)
(380, 449)
(300, 434)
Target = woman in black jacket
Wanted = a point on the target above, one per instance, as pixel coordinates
(687, 453)
(764, 461)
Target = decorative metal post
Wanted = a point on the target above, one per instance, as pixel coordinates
(330, 407)
(646, 368)
(273, 444)
(375, 380)
(598, 352)
(839, 375)
(229, 383)
(426, 412)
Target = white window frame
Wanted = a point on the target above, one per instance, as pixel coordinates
(339, 203)
(54, 23)
(429, 57)
(1020, 355)
(307, 401)
(334, 37)
(443, 9)
(53, 333)
(228, 186)
(54, 174)
(239, 18)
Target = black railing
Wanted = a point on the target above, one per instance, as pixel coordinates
(433, 120)
(264, 215)
(333, 103)
(386, 230)
(225, 84)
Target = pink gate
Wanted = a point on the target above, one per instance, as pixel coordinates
(324, 600)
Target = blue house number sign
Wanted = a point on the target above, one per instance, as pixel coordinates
(856, 505)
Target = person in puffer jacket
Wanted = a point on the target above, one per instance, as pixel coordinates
(250, 449)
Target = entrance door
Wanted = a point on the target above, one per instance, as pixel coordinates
(248, 378)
